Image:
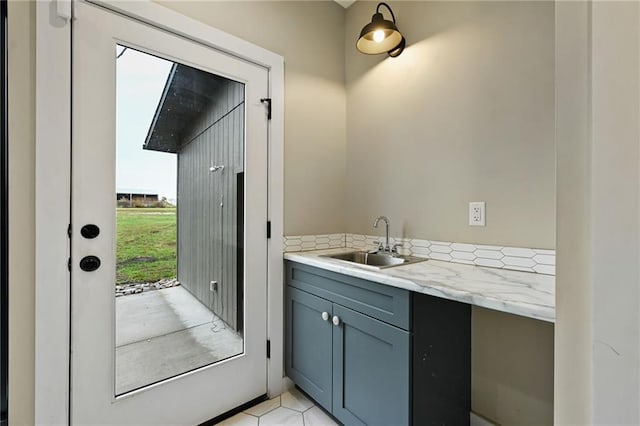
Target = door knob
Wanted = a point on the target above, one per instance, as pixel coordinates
(89, 263)
(336, 320)
(325, 316)
(90, 231)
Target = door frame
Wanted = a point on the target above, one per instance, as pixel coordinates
(4, 222)
(52, 185)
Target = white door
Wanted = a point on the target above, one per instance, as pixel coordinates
(169, 284)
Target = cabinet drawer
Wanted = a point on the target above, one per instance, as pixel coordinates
(386, 303)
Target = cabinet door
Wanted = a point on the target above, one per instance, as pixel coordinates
(308, 351)
(370, 370)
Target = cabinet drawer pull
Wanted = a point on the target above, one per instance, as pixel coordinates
(325, 316)
(336, 320)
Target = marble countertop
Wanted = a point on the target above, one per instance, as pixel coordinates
(520, 293)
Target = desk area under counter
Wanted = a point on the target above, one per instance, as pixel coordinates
(411, 331)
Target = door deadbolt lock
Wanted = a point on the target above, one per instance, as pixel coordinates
(90, 231)
(89, 263)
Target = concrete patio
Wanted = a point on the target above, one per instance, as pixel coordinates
(164, 333)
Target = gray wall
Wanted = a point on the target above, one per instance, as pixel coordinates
(466, 113)
(598, 281)
(615, 211)
(207, 231)
(512, 368)
(573, 328)
(21, 211)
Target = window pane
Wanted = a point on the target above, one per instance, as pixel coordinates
(180, 191)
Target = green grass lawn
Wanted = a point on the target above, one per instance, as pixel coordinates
(146, 244)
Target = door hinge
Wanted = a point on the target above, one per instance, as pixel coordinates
(268, 229)
(69, 264)
(268, 102)
(69, 231)
(269, 349)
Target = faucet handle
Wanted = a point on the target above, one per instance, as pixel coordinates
(394, 249)
(379, 244)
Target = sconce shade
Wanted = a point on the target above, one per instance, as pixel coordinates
(381, 36)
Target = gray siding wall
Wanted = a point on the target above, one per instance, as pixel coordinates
(207, 202)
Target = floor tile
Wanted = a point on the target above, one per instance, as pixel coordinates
(295, 400)
(316, 417)
(282, 417)
(264, 407)
(240, 419)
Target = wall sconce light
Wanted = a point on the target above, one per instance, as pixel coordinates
(381, 35)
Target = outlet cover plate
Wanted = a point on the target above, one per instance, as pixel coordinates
(477, 213)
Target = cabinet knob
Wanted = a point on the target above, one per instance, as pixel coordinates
(336, 320)
(325, 316)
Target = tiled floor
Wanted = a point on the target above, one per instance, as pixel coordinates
(291, 408)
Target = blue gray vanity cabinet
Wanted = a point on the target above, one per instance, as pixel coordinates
(349, 364)
(392, 357)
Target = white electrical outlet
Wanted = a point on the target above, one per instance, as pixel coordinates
(476, 213)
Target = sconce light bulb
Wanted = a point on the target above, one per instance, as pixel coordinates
(378, 36)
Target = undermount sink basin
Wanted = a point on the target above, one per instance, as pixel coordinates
(375, 260)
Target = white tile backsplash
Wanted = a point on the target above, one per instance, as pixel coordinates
(545, 259)
(441, 256)
(463, 247)
(492, 263)
(295, 243)
(489, 254)
(541, 261)
(440, 248)
(521, 262)
(463, 255)
(420, 251)
(518, 252)
(549, 252)
(420, 243)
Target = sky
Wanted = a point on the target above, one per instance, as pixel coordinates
(140, 80)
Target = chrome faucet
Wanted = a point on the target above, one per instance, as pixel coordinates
(386, 247)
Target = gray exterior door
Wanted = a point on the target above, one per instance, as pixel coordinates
(308, 358)
(370, 370)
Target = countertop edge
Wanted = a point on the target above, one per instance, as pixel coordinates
(445, 290)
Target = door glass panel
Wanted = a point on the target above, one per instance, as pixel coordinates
(180, 219)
